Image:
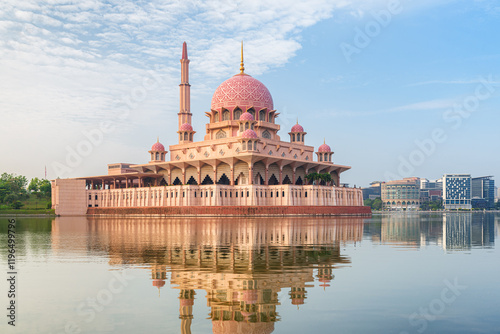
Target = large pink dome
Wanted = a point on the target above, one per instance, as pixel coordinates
(243, 91)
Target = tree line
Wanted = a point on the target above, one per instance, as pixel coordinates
(14, 189)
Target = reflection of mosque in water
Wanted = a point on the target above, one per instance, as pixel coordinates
(242, 264)
(451, 231)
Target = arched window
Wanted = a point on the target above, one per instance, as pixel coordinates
(185, 136)
(251, 111)
(241, 127)
(221, 134)
(191, 136)
(246, 126)
(216, 116)
(251, 126)
(225, 115)
(293, 137)
(157, 156)
(255, 145)
(244, 145)
(237, 114)
(262, 115)
(162, 156)
(298, 136)
(266, 134)
(152, 156)
(320, 157)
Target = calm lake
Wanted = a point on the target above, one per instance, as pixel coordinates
(392, 273)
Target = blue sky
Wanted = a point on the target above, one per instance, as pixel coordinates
(419, 96)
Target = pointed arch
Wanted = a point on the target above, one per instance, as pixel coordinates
(226, 116)
(262, 115)
(258, 179)
(224, 180)
(237, 113)
(207, 180)
(192, 181)
(220, 134)
(273, 180)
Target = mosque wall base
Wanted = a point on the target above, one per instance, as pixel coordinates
(236, 211)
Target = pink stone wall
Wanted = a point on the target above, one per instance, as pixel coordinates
(69, 197)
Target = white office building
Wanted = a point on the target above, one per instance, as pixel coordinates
(457, 191)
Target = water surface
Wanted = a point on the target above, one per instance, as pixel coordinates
(392, 273)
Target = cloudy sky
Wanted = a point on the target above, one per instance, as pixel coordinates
(397, 88)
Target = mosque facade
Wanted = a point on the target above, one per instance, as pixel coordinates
(242, 166)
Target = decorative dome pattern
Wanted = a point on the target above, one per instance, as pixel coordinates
(249, 134)
(186, 127)
(243, 91)
(246, 116)
(324, 148)
(297, 128)
(157, 147)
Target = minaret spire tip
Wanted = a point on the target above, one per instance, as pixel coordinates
(184, 51)
(242, 67)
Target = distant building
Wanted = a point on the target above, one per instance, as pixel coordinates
(401, 195)
(483, 192)
(431, 190)
(373, 191)
(457, 191)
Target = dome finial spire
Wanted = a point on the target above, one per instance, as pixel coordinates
(242, 67)
(158, 139)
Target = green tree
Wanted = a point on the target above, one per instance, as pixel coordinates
(12, 188)
(17, 205)
(34, 185)
(377, 204)
(46, 188)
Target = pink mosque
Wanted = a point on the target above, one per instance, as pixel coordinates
(242, 167)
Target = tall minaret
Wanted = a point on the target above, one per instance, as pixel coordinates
(185, 129)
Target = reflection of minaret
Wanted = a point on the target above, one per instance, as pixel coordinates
(298, 295)
(185, 129)
(325, 275)
(158, 275)
(186, 298)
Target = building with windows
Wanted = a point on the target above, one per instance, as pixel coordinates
(242, 165)
(483, 192)
(457, 191)
(401, 195)
(373, 191)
